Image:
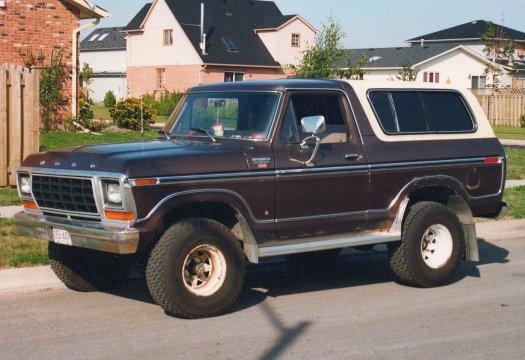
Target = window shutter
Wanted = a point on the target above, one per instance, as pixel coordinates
(436, 78)
(425, 77)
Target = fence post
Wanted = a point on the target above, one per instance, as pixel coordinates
(19, 119)
(4, 153)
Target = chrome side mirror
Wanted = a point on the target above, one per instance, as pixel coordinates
(313, 125)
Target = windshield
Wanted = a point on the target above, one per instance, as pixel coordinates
(227, 115)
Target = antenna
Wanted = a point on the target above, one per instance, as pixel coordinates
(202, 44)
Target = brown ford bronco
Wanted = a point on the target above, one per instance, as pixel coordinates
(247, 170)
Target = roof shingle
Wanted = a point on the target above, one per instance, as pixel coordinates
(104, 39)
(471, 30)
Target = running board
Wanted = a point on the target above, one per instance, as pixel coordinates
(326, 243)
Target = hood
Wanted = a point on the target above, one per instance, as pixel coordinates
(149, 158)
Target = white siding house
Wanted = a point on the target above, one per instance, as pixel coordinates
(104, 50)
(169, 47)
(288, 40)
(451, 56)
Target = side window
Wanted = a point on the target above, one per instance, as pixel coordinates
(404, 112)
(301, 105)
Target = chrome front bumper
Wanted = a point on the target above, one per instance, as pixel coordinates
(83, 234)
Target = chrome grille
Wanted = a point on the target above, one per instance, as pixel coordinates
(64, 193)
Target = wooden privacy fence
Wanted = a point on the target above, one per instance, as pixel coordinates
(19, 119)
(502, 107)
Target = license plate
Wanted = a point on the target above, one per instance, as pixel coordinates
(62, 237)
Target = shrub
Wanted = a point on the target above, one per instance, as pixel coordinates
(127, 114)
(522, 121)
(86, 120)
(109, 99)
(165, 104)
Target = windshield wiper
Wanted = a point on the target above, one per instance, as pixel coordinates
(166, 134)
(204, 131)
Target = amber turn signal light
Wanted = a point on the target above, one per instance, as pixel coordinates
(144, 182)
(118, 215)
(30, 205)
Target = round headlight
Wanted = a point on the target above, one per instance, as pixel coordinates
(114, 193)
(25, 185)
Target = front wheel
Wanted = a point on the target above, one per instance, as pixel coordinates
(196, 269)
(88, 270)
(432, 246)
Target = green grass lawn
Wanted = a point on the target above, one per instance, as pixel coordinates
(20, 251)
(508, 132)
(515, 163)
(60, 139)
(100, 112)
(9, 196)
(515, 198)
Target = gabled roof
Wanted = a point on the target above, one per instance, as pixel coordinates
(104, 39)
(274, 22)
(138, 19)
(277, 22)
(394, 58)
(233, 19)
(469, 31)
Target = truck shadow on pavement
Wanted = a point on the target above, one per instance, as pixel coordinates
(277, 277)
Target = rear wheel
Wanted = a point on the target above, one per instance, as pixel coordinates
(432, 246)
(88, 270)
(196, 269)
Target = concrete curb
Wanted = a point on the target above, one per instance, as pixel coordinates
(43, 278)
(28, 279)
(513, 143)
(9, 211)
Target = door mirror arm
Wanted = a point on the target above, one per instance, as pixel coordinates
(314, 125)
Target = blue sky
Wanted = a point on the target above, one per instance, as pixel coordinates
(372, 23)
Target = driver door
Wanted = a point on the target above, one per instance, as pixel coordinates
(330, 194)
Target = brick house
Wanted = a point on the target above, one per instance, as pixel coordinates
(42, 28)
(176, 44)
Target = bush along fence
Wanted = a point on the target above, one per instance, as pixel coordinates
(503, 106)
(19, 119)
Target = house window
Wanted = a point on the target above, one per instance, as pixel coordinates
(478, 82)
(230, 76)
(161, 78)
(168, 37)
(296, 40)
(431, 77)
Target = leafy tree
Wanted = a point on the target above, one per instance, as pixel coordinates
(408, 72)
(86, 74)
(327, 58)
(109, 99)
(52, 80)
(499, 48)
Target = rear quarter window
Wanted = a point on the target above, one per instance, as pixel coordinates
(421, 111)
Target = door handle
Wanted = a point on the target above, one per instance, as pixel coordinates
(351, 156)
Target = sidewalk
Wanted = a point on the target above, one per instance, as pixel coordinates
(43, 278)
(513, 143)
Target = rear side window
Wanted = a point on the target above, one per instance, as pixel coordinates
(419, 111)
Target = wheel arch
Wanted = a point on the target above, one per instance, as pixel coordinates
(451, 194)
(224, 207)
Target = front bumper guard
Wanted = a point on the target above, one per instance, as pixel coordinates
(86, 235)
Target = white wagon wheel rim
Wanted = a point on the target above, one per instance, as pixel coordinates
(204, 270)
(436, 246)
